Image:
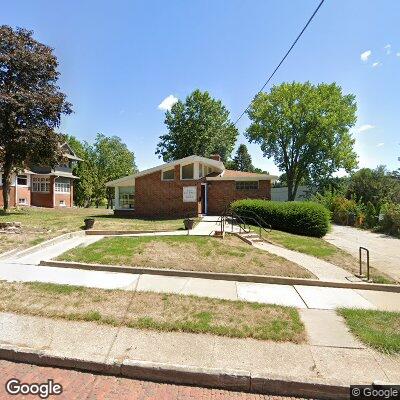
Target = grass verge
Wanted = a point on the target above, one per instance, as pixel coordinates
(320, 248)
(40, 224)
(377, 329)
(154, 311)
(186, 253)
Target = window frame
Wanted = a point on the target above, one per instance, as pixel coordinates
(24, 203)
(22, 176)
(62, 187)
(187, 179)
(38, 181)
(168, 170)
(248, 183)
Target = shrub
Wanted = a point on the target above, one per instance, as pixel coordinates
(303, 218)
(390, 222)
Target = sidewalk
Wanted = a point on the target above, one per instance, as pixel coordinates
(299, 296)
(118, 349)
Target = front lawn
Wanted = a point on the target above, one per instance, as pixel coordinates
(320, 248)
(39, 224)
(378, 329)
(154, 311)
(186, 253)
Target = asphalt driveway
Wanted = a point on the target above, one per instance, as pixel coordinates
(384, 250)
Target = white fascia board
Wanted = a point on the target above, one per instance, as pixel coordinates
(186, 160)
(243, 178)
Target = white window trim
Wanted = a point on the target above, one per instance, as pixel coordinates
(62, 185)
(194, 171)
(165, 170)
(45, 182)
(25, 203)
(27, 180)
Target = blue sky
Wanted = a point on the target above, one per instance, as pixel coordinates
(119, 60)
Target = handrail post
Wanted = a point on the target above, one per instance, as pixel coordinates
(359, 254)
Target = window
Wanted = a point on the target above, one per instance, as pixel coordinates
(62, 203)
(127, 200)
(247, 185)
(63, 187)
(168, 175)
(22, 202)
(187, 171)
(22, 180)
(201, 170)
(41, 184)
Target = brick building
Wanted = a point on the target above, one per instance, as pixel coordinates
(187, 187)
(43, 186)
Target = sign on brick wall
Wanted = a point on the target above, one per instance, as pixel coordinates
(189, 194)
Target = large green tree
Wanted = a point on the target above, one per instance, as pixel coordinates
(112, 159)
(200, 126)
(242, 160)
(305, 128)
(31, 104)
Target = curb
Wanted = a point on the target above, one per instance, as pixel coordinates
(117, 233)
(222, 276)
(42, 245)
(237, 380)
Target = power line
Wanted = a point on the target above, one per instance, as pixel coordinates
(284, 57)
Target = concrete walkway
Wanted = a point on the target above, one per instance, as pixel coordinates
(384, 250)
(108, 345)
(323, 270)
(298, 296)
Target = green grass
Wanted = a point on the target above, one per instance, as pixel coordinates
(377, 329)
(192, 253)
(154, 311)
(39, 224)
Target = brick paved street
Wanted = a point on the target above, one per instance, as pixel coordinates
(80, 385)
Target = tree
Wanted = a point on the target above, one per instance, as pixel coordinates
(198, 126)
(85, 170)
(112, 160)
(375, 186)
(305, 128)
(31, 104)
(242, 160)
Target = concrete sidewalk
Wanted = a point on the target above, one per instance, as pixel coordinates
(108, 349)
(299, 296)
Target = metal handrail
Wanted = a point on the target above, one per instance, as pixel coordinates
(264, 224)
(360, 259)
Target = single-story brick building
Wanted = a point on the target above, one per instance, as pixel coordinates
(187, 187)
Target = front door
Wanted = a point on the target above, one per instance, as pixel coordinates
(203, 199)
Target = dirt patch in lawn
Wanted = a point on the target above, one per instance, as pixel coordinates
(189, 253)
(154, 311)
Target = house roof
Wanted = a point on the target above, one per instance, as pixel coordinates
(129, 180)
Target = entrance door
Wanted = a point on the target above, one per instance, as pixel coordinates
(203, 199)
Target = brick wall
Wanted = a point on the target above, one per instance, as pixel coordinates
(222, 193)
(23, 193)
(157, 198)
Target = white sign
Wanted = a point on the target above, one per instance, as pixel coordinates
(189, 194)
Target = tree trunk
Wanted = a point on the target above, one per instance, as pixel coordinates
(6, 184)
(291, 193)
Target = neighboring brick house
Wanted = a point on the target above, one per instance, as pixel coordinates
(187, 187)
(43, 186)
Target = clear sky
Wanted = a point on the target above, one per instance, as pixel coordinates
(120, 59)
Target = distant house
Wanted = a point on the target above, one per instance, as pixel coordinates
(43, 186)
(187, 187)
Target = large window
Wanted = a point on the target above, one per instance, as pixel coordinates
(22, 180)
(126, 200)
(246, 185)
(168, 175)
(41, 184)
(63, 187)
(188, 171)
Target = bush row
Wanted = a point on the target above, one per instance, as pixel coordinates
(303, 218)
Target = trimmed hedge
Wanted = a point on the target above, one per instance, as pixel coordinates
(303, 218)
